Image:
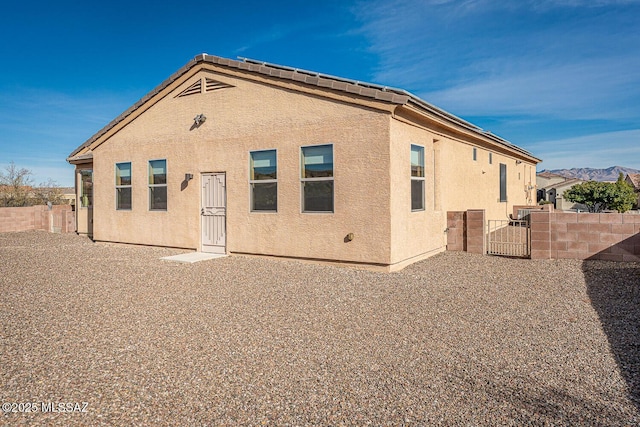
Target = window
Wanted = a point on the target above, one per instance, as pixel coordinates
(263, 180)
(157, 185)
(86, 188)
(490, 158)
(417, 178)
(123, 186)
(503, 182)
(475, 154)
(317, 178)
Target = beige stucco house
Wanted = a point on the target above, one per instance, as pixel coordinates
(551, 188)
(245, 157)
(547, 179)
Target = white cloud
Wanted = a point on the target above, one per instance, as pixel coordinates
(580, 3)
(271, 36)
(593, 89)
(537, 68)
(602, 150)
(480, 57)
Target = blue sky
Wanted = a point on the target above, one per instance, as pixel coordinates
(560, 78)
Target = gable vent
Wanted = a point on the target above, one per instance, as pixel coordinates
(212, 85)
(209, 86)
(193, 89)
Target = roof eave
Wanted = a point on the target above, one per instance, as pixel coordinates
(418, 104)
(184, 69)
(82, 158)
(377, 93)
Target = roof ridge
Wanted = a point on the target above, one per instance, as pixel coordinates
(375, 91)
(401, 92)
(323, 75)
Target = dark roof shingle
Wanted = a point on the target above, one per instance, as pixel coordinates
(369, 90)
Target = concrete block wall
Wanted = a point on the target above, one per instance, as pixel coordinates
(456, 231)
(606, 236)
(547, 207)
(37, 218)
(466, 231)
(476, 233)
(62, 219)
(68, 221)
(23, 219)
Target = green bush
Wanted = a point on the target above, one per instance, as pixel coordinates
(599, 196)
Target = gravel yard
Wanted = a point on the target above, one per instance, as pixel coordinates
(457, 339)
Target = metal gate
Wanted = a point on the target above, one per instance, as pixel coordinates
(509, 238)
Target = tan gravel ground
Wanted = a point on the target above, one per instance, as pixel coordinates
(457, 339)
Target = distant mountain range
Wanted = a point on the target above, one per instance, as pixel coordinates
(590, 174)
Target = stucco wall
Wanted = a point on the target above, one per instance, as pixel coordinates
(418, 233)
(251, 116)
(454, 181)
(469, 184)
(372, 188)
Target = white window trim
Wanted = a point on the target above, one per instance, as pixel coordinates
(130, 186)
(303, 180)
(166, 172)
(262, 181)
(419, 178)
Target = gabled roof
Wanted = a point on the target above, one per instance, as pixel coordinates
(547, 174)
(568, 183)
(372, 91)
(635, 180)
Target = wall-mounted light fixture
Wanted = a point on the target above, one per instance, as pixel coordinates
(518, 162)
(199, 119)
(188, 177)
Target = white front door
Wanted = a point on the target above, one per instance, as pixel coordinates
(214, 213)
